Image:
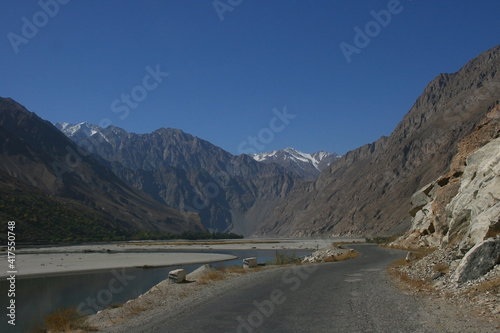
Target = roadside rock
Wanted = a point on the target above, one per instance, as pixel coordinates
(478, 202)
(463, 205)
(457, 217)
(323, 254)
(478, 261)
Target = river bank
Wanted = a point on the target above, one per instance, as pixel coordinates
(168, 299)
(91, 277)
(362, 284)
(61, 260)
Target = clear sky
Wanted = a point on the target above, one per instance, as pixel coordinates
(345, 71)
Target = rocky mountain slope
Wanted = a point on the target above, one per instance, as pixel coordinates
(40, 166)
(458, 215)
(462, 206)
(307, 166)
(230, 193)
(368, 191)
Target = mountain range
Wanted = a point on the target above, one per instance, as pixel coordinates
(303, 165)
(171, 180)
(47, 183)
(368, 190)
(231, 193)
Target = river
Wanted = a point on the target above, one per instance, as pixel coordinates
(37, 297)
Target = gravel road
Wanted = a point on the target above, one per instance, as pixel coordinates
(351, 296)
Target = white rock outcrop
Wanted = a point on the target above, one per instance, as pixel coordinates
(461, 210)
(423, 233)
(324, 254)
(476, 207)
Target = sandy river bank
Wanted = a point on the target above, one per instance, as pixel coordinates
(59, 260)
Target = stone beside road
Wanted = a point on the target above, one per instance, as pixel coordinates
(478, 261)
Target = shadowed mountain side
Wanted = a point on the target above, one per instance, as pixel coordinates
(235, 203)
(35, 156)
(368, 191)
(230, 193)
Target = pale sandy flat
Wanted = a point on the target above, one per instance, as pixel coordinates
(62, 263)
(49, 260)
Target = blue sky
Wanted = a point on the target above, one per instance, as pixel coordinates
(219, 73)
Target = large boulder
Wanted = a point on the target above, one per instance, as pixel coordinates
(422, 197)
(478, 261)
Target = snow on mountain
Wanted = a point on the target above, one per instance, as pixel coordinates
(78, 131)
(302, 164)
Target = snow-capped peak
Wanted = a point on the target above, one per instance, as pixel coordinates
(307, 165)
(78, 131)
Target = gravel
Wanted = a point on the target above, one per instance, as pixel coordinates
(470, 304)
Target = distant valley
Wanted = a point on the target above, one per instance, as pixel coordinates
(109, 180)
(230, 193)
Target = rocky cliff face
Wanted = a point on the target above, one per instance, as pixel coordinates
(458, 216)
(368, 191)
(462, 207)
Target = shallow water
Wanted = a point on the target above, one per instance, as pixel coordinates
(90, 292)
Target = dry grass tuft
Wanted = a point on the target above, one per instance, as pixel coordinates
(222, 272)
(66, 320)
(284, 258)
(211, 276)
(491, 286)
(399, 263)
(133, 309)
(415, 284)
(236, 270)
(407, 281)
(441, 268)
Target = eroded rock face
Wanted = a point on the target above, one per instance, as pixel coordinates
(462, 206)
(478, 261)
(477, 204)
(423, 224)
(460, 211)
